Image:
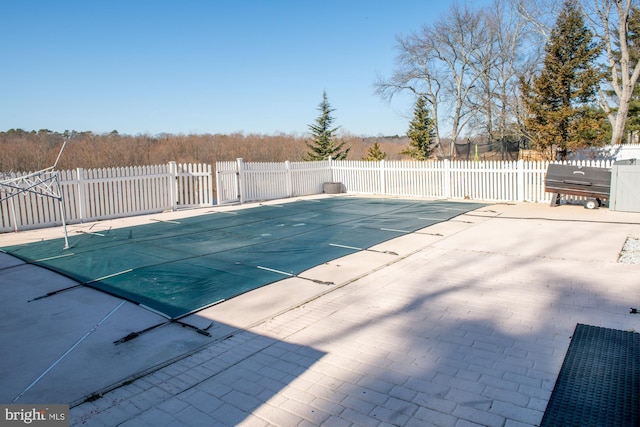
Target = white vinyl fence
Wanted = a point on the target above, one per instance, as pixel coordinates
(504, 181)
(629, 151)
(240, 181)
(608, 152)
(94, 194)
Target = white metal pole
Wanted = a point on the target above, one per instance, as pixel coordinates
(13, 212)
(62, 214)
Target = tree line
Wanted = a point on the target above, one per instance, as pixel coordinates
(22, 150)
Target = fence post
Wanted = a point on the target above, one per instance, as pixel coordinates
(289, 178)
(447, 178)
(82, 195)
(520, 180)
(383, 183)
(331, 169)
(241, 176)
(210, 196)
(173, 185)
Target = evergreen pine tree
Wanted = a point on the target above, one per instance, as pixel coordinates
(324, 142)
(375, 153)
(559, 104)
(421, 132)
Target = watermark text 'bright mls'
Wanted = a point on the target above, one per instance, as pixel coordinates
(35, 415)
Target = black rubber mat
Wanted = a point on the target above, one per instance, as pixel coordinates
(599, 382)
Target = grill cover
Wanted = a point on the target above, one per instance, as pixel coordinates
(578, 181)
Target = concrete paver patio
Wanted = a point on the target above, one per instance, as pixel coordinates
(459, 324)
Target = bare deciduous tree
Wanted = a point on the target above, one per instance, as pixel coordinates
(448, 64)
(613, 27)
(540, 15)
(516, 50)
(417, 72)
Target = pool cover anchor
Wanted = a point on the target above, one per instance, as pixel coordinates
(201, 331)
(56, 292)
(52, 293)
(284, 273)
(136, 334)
(318, 281)
(363, 249)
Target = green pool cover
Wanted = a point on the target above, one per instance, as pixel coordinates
(179, 267)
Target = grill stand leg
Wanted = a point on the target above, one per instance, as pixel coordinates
(555, 200)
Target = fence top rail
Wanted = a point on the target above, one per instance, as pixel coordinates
(455, 164)
(200, 169)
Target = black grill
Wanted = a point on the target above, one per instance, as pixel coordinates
(592, 183)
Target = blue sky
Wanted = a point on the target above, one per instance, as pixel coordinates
(198, 66)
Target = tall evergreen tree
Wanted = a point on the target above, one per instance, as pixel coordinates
(325, 143)
(559, 103)
(421, 132)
